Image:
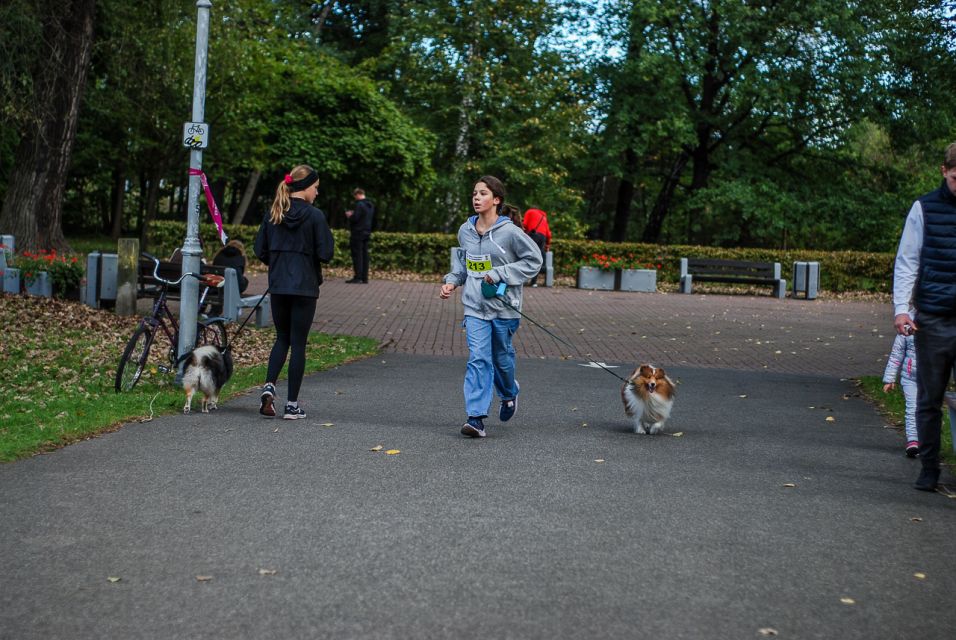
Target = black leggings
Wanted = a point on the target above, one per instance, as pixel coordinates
(292, 316)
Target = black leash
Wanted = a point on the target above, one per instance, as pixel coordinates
(562, 341)
(242, 326)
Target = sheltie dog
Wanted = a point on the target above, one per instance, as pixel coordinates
(648, 396)
(208, 369)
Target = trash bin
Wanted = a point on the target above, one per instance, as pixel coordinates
(806, 279)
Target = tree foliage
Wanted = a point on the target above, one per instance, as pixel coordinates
(774, 123)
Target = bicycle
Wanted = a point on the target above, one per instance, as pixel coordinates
(210, 331)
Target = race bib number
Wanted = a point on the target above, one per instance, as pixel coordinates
(478, 266)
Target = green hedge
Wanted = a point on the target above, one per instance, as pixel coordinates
(428, 253)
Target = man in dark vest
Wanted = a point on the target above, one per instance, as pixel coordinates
(925, 275)
(360, 230)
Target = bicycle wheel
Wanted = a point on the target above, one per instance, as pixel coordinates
(133, 360)
(212, 332)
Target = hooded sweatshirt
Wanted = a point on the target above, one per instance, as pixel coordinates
(507, 254)
(295, 249)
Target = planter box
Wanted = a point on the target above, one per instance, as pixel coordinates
(644, 280)
(11, 280)
(594, 278)
(41, 285)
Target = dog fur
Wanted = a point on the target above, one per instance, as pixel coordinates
(648, 398)
(208, 369)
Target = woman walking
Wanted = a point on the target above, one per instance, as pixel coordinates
(293, 240)
(495, 251)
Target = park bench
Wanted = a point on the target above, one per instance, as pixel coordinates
(226, 297)
(731, 271)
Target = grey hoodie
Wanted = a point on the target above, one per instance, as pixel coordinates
(514, 257)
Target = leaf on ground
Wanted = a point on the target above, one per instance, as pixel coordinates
(919, 575)
(276, 430)
(789, 485)
(847, 600)
(767, 631)
(114, 578)
(584, 424)
(599, 460)
(327, 424)
(377, 447)
(916, 519)
(268, 572)
(203, 578)
(743, 395)
(678, 434)
(831, 419)
(392, 452)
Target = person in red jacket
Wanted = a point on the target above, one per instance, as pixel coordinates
(535, 224)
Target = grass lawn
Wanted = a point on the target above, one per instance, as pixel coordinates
(58, 360)
(893, 406)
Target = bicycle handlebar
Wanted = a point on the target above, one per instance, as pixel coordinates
(170, 283)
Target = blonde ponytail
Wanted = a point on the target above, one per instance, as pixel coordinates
(282, 201)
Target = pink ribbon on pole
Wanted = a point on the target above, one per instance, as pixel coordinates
(211, 203)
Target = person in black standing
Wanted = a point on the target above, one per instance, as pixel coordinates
(360, 230)
(925, 276)
(293, 240)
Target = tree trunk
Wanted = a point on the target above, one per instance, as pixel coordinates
(625, 194)
(453, 199)
(33, 205)
(152, 204)
(247, 195)
(117, 201)
(655, 223)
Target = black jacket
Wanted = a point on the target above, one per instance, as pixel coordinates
(360, 223)
(295, 249)
(936, 288)
(232, 257)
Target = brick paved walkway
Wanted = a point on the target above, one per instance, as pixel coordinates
(826, 337)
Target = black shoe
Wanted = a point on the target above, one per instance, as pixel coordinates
(353, 281)
(267, 401)
(473, 428)
(927, 481)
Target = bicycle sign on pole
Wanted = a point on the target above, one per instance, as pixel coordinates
(195, 135)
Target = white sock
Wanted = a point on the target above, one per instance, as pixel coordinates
(293, 404)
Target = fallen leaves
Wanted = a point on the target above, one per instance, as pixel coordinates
(767, 631)
(393, 452)
(203, 578)
(327, 424)
(678, 434)
(113, 578)
(847, 601)
(919, 575)
(268, 572)
(789, 485)
(377, 447)
(599, 460)
(831, 419)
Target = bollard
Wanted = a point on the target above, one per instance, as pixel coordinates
(128, 271)
(806, 279)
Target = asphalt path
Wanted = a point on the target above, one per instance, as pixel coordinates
(753, 516)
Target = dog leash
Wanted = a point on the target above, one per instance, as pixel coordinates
(500, 292)
(242, 326)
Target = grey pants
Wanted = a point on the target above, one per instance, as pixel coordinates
(935, 354)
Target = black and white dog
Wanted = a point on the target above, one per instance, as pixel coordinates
(208, 369)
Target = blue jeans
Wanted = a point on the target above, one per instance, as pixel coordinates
(491, 363)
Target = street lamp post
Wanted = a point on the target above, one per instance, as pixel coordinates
(195, 137)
